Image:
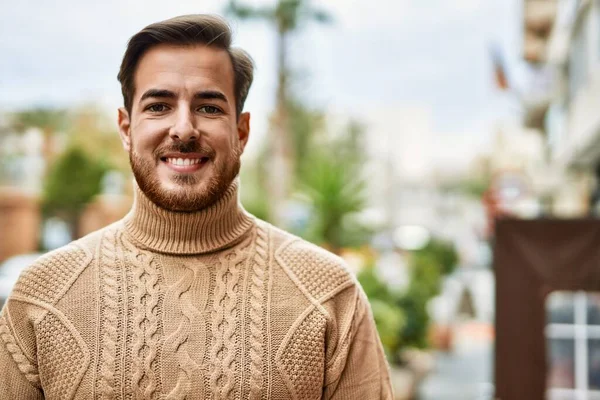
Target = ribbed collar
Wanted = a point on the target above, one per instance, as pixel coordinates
(213, 228)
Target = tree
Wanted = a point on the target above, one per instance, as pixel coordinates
(443, 252)
(95, 133)
(287, 17)
(333, 182)
(74, 179)
(428, 267)
(49, 120)
(389, 317)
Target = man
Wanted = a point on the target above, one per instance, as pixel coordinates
(188, 297)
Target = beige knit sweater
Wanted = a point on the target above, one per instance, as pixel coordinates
(207, 305)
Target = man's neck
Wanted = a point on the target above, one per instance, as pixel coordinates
(213, 228)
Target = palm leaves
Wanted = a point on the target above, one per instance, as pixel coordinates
(332, 179)
(286, 16)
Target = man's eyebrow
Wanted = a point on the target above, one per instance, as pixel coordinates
(158, 93)
(210, 95)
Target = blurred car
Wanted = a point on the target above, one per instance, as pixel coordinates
(10, 271)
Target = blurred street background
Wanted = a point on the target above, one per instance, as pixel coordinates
(391, 132)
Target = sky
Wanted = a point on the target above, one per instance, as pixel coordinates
(414, 71)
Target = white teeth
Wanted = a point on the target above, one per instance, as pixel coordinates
(184, 161)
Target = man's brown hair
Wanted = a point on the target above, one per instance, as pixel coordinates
(185, 30)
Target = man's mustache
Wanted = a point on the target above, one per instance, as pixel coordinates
(188, 147)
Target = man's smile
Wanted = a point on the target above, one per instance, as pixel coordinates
(184, 162)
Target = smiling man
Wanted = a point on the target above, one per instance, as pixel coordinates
(189, 296)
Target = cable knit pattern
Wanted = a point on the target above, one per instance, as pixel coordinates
(212, 304)
(225, 321)
(63, 359)
(109, 314)
(313, 268)
(178, 340)
(257, 294)
(302, 360)
(145, 324)
(29, 370)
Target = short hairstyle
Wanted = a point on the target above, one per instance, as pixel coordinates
(187, 30)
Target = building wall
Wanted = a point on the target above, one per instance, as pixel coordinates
(579, 96)
(103, 211)
(19, 223)
(573, 120)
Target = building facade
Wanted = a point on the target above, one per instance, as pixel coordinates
(568, 108)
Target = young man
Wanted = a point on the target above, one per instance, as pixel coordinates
(188, 297)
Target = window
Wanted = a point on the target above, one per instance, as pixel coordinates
(573, 346)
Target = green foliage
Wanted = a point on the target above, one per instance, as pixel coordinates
(305, 127)
(402, 318)
(389, 317)
(48, 119)
(331, 178)
(334, 193)
(475, 187)
(443, 252)
(414, 305)
(426, 275)
(73, 180)
(252, 190)
(95, 134)
(428, 267)
(286, 17)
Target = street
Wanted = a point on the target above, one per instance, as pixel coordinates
(466, 372)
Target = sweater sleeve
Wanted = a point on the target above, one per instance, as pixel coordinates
(364, 374)
(19, 377)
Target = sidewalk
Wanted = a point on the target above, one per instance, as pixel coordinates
(466, 372)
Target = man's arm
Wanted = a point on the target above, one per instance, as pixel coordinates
(363, 374)
(18, 374)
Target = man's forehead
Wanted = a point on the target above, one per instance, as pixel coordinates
(171, 65)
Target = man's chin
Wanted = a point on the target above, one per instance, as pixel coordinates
(178, 191)
(182, 187)
(186, 196)
(181, 201)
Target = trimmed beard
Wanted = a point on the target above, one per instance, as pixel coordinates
(185, 200)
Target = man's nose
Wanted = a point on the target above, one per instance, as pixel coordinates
(183, 129)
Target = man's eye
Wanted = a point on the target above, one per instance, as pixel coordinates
(209, 109)
(157, 108)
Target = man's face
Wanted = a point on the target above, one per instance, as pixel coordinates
(183, 137)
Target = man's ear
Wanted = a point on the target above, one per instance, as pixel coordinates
(124, 128)
(243, 128)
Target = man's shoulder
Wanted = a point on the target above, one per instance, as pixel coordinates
(320, 273)
(49, 277)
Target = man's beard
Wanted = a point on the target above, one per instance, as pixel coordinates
(187, 199)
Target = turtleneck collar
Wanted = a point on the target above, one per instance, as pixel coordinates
(213, 228)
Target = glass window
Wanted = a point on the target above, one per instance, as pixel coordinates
(593, 309)
(561, 373)
(560, 307)
(573, 345)
(594, 363)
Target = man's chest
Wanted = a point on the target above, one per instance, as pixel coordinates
(225, 327)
